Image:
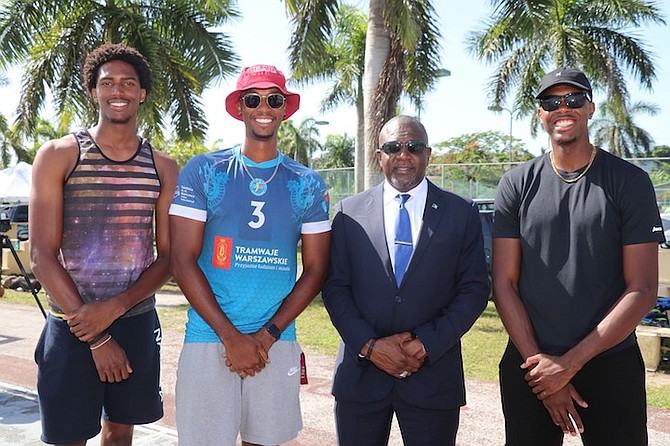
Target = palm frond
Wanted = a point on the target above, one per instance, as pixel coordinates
(178, 38)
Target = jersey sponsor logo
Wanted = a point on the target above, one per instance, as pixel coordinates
(223, 247)
(260, 258)
(184, 194)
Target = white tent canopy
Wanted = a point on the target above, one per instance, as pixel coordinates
(15, 183)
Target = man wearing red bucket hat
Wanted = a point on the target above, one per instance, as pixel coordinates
(261, 77)
(236, 218)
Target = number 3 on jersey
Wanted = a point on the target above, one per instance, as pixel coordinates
(259, 216)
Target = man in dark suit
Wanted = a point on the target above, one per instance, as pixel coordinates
(401, 326)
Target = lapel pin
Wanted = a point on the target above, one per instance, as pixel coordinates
(434, 206)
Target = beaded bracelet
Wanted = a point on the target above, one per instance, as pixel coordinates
(102, 343)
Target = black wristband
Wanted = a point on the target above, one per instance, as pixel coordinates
(370, 347)
(97, 338)
(273, 330)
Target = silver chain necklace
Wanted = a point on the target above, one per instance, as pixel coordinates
(259, 186)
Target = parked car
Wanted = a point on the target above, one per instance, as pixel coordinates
(16, 215)
(486, 212)
(665, 220)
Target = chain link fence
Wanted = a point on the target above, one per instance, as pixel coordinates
(479, 181)
(470, 180)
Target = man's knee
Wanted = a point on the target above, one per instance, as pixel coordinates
(116, 434)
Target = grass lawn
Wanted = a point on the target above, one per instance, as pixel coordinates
(315, 331)
(483, 345)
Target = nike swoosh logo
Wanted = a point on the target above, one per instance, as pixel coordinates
(293, 370)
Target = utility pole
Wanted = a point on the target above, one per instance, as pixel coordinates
(498, 109)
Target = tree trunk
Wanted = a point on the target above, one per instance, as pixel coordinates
(377, 48)
(359, 155)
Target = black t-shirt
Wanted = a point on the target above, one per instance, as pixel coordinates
(572, 235)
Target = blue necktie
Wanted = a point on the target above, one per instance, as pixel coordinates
(403, 239)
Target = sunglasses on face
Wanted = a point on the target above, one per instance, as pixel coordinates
(393, 147)
(253, 100)
(572, 100)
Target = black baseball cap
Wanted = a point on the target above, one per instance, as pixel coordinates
(565, 75)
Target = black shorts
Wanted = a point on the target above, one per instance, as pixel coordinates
(612, 384)
(72, 397)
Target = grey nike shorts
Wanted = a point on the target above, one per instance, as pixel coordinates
(215, 404)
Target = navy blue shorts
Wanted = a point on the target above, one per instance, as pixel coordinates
(72, 398)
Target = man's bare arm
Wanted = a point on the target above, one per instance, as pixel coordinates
(53, 162)
(548, 374)
(505, 271)
(315, 258)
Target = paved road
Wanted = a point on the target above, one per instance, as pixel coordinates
(481, 419)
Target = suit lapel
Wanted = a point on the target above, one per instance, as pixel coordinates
(433, 212)
(376, 231)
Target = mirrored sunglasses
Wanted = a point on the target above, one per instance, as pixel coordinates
(572, 100)
(413, 147)
(253, 100)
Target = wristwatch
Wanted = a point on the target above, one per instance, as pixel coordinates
(273, 330)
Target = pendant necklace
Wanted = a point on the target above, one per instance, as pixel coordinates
(578, 177)
(259, 186)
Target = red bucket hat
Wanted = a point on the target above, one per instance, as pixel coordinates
(262, 77)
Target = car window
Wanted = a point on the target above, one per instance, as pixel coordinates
(20, 214)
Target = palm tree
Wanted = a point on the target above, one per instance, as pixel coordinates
(401, 54)
(338, 153)
(11, 145)
(5, 142)
(342, 64)
(300, 142)
(617, 130)
(183, 151)
(43, 131)
(526, 39)
(50, 40)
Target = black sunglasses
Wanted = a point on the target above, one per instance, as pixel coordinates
(393, 147)
(572, 100)
(253, 100)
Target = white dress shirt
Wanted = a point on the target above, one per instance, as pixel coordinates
(415, 207)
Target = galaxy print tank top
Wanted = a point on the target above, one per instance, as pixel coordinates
(108, 215)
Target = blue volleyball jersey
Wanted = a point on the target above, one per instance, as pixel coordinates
(249, 251)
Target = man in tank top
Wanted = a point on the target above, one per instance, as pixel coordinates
(97, 195)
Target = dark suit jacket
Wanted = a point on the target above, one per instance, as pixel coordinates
(443, 292)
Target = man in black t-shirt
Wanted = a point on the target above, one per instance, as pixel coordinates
(575, 268)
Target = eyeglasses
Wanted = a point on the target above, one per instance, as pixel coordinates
(393, 147)
(572, 100)
(253, 100)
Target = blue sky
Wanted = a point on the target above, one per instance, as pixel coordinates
(456, 106)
